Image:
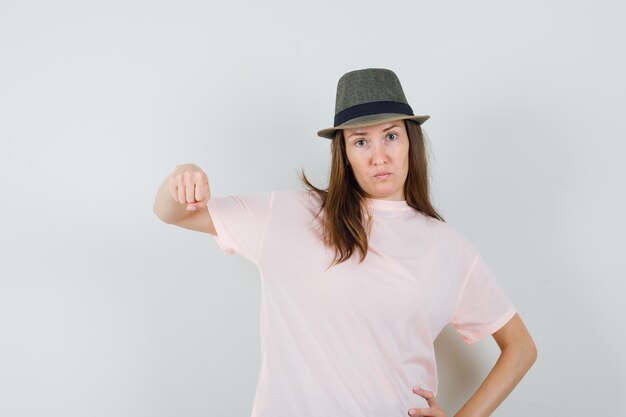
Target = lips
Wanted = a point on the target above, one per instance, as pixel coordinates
(382, 174)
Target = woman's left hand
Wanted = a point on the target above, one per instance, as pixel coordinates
(433, 408)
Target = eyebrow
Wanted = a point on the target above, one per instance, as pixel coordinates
(365, 133)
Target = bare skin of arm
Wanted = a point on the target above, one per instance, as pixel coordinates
(182, 198)
(517, 354)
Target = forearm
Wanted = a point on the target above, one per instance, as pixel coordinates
(511, 366)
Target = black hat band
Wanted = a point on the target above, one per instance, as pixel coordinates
(373, 107)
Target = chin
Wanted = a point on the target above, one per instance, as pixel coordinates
(382, 190)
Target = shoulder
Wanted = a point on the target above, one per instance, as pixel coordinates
(304, 197)
(287, 200)
(290, 195)
(450, 235)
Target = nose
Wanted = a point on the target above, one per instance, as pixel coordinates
(378, 155)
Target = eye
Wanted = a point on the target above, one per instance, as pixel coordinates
(393, 134)
(357, 141)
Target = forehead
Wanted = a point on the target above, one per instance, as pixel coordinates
(399, 124)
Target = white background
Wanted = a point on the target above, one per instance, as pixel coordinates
(107, 311)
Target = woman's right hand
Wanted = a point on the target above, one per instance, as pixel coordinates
(189, 185)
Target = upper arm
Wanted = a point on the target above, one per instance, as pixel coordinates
(241, 222)
(515, 334)
(200, 221)
(482, 306)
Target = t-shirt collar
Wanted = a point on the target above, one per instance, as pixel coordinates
(387, 205)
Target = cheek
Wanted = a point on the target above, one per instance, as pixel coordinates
(405, 158)
(359, 170)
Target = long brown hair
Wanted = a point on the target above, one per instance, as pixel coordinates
(345, 225)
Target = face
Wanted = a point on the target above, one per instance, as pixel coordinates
(375, 149)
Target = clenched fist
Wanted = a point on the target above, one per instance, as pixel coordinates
(189, 185)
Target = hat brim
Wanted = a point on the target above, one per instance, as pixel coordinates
(370, 120)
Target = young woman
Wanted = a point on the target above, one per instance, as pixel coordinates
(361, 277)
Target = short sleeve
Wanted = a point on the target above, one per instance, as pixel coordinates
(241, 222)
(483, 307)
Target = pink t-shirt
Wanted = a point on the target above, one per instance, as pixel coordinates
(353, 340)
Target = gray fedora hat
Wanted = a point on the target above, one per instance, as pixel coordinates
(368, 97)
